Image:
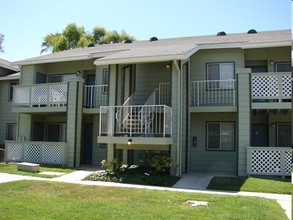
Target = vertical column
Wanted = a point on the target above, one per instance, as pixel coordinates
(74, 121)
(24, 127)
(175, 95)
(112, 102)
(244, 117)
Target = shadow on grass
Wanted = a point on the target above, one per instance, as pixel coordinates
(251, 184)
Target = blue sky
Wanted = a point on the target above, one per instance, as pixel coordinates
(25, 22)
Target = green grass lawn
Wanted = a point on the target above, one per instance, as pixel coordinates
(11, 168)
(52, 200)
(251, 184)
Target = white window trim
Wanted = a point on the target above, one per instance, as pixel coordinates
(222, 85)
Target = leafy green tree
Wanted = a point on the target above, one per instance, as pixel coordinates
(1, 42)
(73, 36)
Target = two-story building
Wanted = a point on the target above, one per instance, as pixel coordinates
(218, 103)
(9, 76)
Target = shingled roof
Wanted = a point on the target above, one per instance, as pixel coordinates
(8, 65)
(165, 49)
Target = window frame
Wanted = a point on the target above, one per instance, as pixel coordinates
(277, 133)
(7, 131)
(281, 63)
(220, 143)
(12, 83)
(62, 75)
(106, 80)
(209, 88)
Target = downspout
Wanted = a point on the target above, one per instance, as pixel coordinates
(178, 159)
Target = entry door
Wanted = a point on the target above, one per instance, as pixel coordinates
(127, 83)
(259, 135)
(38, 131)
(88, 143)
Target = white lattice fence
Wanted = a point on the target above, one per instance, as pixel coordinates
(269, 161)
(37, 152)
(265, 86)
(51, 94)
(13, 152)
(275, 86)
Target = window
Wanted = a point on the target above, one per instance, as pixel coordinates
(62, 78)
(220, 136)
(283, 67)
(11, 84)
(56, 132)
(105, 80)
(284, 135)
(221, 74)
(11, 131)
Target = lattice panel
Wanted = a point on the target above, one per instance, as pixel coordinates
(32, 153)
(58, 93)
(21, 95)
(265, 86)
(52, 153)
(14, 152)
(286, 85)
(39, 95)
(288, 161)
(266, 162)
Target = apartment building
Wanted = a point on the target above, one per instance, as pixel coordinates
(217, 103)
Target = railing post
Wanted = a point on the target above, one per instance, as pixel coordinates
(164, 123)
(283, 162)
(197, 93)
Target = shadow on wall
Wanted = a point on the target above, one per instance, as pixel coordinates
(2, 155)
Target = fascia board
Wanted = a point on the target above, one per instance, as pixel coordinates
(140, 59)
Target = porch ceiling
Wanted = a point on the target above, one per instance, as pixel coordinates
(273, 111)
(136, 140)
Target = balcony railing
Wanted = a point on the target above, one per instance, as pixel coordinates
(136, 120)
(36, 152)
(269, 161)
(271, 87)
(213, 93)
(96, 96)
(40, 95)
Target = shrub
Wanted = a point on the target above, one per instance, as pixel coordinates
(157, 164)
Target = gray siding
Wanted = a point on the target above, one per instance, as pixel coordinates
(210, 161)
(148, 77)
(6, 115)
(199, 61)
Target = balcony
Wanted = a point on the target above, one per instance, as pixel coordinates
(211, 93)
(269, 161)
(36, 152)
(271, 90)
(51, 96)
(96, 96)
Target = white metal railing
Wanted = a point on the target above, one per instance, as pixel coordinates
(96, 96)
(213, 93)
(51, 94)
(269, 161)
(271, 86)
(146, 120)
(36, 151)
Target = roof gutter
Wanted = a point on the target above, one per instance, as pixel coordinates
(146, 59)
(178, 159)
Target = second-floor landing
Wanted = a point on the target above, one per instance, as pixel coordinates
(265, 91)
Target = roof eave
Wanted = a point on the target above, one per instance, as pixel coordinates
(55, 60)
(140, 59)
(266, 44)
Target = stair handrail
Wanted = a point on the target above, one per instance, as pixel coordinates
(125, 111)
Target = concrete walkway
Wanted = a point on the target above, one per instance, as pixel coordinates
(193, 182)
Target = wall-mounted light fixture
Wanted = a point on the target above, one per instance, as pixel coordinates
(272, 62)
(167, 66)
(273, 125)
(77, 74)
(129, 142)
